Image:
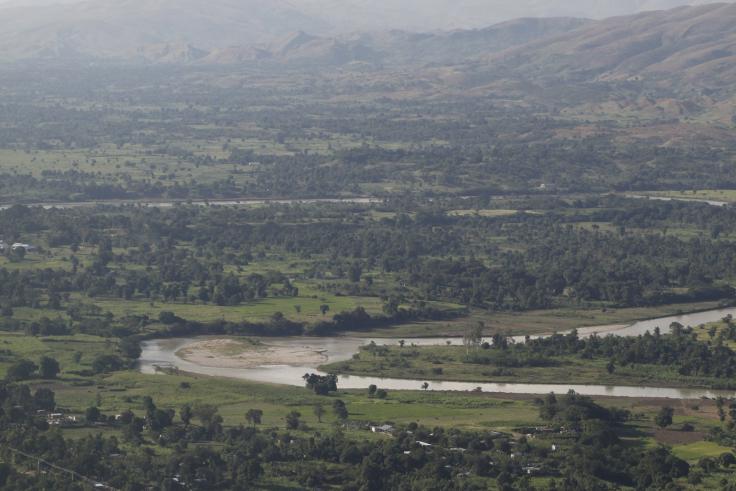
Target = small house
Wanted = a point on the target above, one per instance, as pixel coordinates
(382, 429)
(20, 245)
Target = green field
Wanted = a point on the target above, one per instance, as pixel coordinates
(449, 363)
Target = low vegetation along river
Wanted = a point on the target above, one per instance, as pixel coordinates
(288, 362)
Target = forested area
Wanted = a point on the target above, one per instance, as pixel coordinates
(201, 256)
(251, 208)
(589, 455)
(177, 134)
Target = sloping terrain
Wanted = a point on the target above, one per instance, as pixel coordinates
(696, 44)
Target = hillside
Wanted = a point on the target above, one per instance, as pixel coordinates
(696, 44)
(398, 47)
(125, 29)
(121, 28)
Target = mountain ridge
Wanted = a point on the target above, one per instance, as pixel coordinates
(120, 29)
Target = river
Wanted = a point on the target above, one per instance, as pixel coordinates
(686, 200)
(162, 353)
(199, 202)
(264, 201)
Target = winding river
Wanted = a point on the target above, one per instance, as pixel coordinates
(162, 353)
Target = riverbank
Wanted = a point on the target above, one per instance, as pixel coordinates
(538, 322)
(449, 364)
(159, 353)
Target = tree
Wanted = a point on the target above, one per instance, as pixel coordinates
(720, 405)
(254, 416)
(166, 317)
(107, 363)
(44, 399)
(92, 414)
(48, 368)
(322, 385)
(185, 414)
(292, 420)
(21, 370)
(319, 411)
(610, 367)
(663, 419)
(473, 336)
(340, 409)
(205, 413)
(130, 348)
(727, 459)
(6, 311)
(356, 271)
(425, 386)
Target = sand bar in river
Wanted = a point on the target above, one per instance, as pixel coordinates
(249, 353)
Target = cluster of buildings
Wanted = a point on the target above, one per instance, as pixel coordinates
(57, 419)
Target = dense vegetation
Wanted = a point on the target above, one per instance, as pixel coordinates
(587, 455)
(483, 208)
(179, 133)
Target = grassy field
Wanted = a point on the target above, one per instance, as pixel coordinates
(257, 310)
(125, 390)
(449, 363)
(65, 349)
(539, 321)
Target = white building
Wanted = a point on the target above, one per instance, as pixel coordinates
(21, 245)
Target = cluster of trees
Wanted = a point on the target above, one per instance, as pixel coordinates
(180, 255)
(590, 456)
(486, 146)
(680, 349)
(24, 369)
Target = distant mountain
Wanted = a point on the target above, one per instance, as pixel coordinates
(429, 15)
(122, 28)
(398, 47)
(127, 29)
(697, 44)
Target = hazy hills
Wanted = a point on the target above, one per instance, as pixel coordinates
(427, 15)
(121, 28)
(129, 29)
(695, 44)
(398, 47)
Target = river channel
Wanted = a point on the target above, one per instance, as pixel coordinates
(162, 353)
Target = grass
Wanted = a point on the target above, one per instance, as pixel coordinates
(305, 307)
(125, 390)
(693, 452)
(539, 321)
(62, 348)
(449, 363)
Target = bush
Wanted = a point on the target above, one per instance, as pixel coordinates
(107, 363)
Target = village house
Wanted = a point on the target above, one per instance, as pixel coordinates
(20, 245)
(382, 429)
